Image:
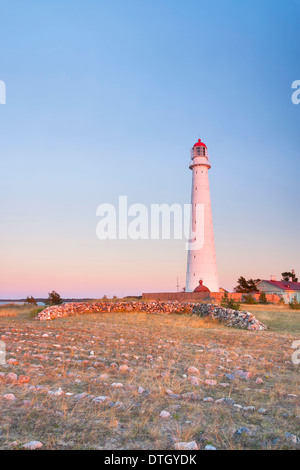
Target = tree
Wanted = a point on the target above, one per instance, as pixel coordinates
(31, 300)
(289, 276)
(246, 287)
(54, 298)
(263, 298)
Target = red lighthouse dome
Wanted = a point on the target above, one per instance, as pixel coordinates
(199, 144)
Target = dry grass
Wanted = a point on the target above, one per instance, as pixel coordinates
(175, 342)
(12, 310)
(282, 320)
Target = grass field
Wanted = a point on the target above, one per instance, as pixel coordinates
(85, 355)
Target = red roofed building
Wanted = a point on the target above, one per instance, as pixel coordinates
(286, 290)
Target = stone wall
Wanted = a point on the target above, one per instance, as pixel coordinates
(66, 310)
(243, 320)
(235, 318)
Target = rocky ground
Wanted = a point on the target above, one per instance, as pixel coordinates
(145, 381)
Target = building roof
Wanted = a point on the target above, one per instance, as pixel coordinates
(199, 144)
(201, 287)
(284, 285)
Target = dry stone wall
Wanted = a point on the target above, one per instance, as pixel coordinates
(244, 320)
(229, 317)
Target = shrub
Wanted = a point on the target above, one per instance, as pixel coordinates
(294, 304)
(226, 302)
(36, 311)
(249, 299)
(262, 298)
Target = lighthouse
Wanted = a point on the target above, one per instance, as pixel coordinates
(201, 262)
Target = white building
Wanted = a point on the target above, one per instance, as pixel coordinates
(201, 262)
(286, 290)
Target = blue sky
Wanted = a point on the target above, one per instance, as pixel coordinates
(106, 99)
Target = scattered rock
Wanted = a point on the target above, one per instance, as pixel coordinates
(186, 446)
(33, 445)
(9, 397)
(165, 414)
(230, 376)
(103, 376)
(100, 399)
(291, 438)
(238, 407)
(243, 430)
(11, 378)
(80, 396)
(194, 380)
(226, 400)
(212, 383)
(243, 374)
(57, 393)
(249, 408)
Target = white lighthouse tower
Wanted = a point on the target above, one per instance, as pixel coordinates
(201, 262)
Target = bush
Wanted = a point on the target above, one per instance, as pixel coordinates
(294, 304)
(249, 299)
(226, 302)
(36, 311)
(262, 298)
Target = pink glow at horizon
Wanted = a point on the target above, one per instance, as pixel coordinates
(124, 268)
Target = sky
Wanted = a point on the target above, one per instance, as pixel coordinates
(106, 99)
